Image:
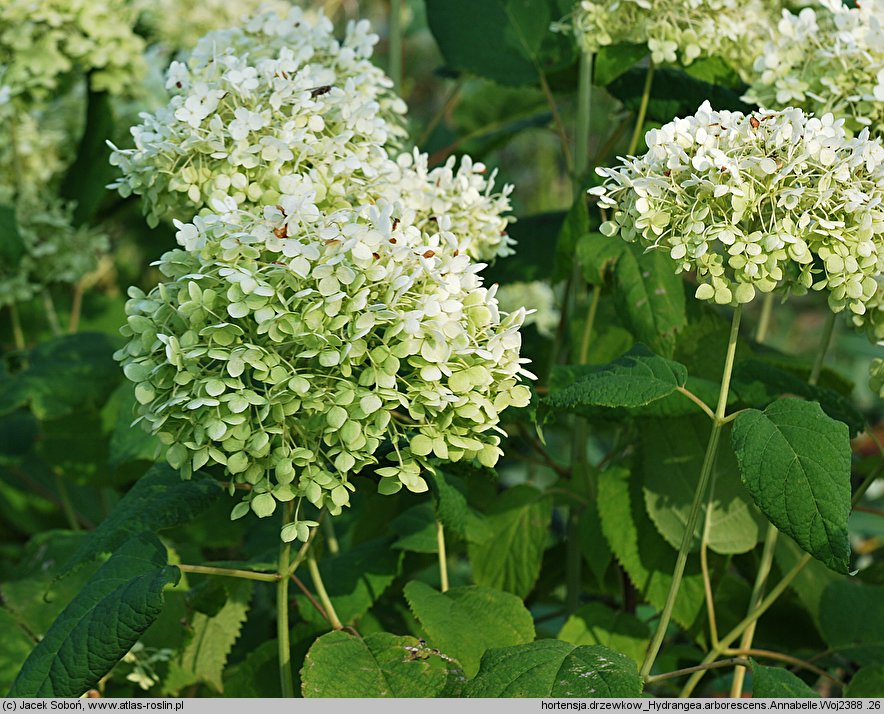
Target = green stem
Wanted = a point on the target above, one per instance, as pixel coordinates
(824, 348)
(76, 308)
(704, 564)
(18, 335)
(764, 318)
(331, 539)
(696, 506)
(229, 573)
(584, 115)
(443, 559)
(697, 668)
(642, 110)
(282, 610)
(726, 641)
(395, 44)
(767, 553)
(322, 593)
(590, 322)
(66, 505)
(51, 314)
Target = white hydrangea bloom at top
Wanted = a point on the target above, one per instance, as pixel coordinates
(277, 97)
(538, 298)
(826, 59)
(678, 30)
(478, 216)
(290, 348)
(179, 24)
(757, 202)
(43, 40)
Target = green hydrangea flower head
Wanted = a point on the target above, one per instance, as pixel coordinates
(676, 31)
(277, 97)
(770, 200)
(826, 58)
(41, 41)
(309, 353)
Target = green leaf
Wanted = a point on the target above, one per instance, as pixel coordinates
(868, 683)
(644, 555)
(15, 645)
(355, 579)
(593, 545)
(127, 443)
(795, 461)
(575, 225)
(636, 378)
(160, 499)
(597, 255)
(451, 504)
(673, 93)
(64, 375)
(86, 180)
(12, 245)
(467, 621)
(257, 675)
(651, 297)
(380, 665)
(598, 624)
(672, 453)
(611, 61)
(776, 682)
(416, 529)
(204, 657)
(101, 624)
(552, 668)
(518, 525)
(852, 621)
(505, 40)
(758, 383)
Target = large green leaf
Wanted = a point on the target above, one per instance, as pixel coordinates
(467, 621)
(598, 624)
(257, 675)
(651, 297)
(611, 61)
(510, 558)
(758, 383)
(778, 682)
(645, 556)
(451, 503)
(355, 579)
(867, 683)
(64, 375)
(213, 636)
(101, 623)
(795, 461)
(635, 379)
(160, 499)
(672, 455)
(597, 255)
(552, 668)
(852, 621)
(86, 180)
(505, 40)
(380, 665)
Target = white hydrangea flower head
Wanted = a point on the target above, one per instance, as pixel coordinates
(298, 349)
(677, 31)
(827, 58)
(55, 251)
(757, 202)
(43, 40)
(33, 152)
(465, 195)
(179, 24)
(537, 299)
(255, 105)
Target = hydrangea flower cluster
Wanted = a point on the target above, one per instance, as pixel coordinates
(478, 216)
(55, 252)
(33, 152)
(677, 30)
(757, 202)
(42, 40)
(826, 59)
(537, 298)
(179, 24)
(277, 97)
(300, 347)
